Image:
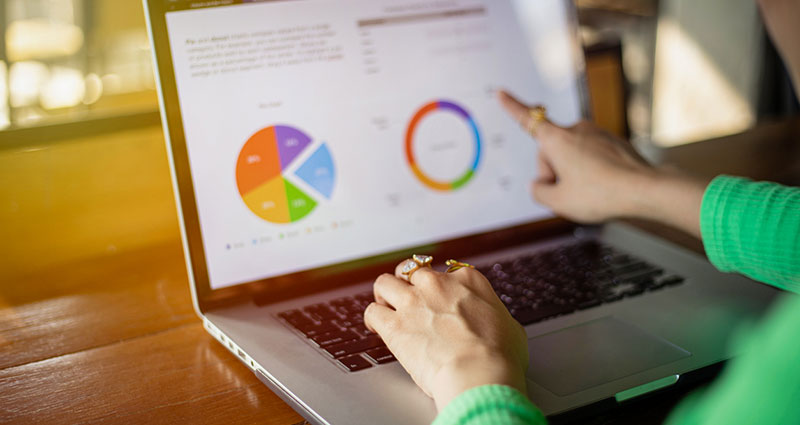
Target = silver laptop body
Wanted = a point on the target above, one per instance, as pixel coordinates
(263, 237)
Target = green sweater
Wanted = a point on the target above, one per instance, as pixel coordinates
(751, 228)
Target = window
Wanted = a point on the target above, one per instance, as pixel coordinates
(68, 60)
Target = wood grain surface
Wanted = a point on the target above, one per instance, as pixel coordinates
(167, 376)
(115, 340)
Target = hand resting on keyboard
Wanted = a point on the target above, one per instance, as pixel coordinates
(450, 331)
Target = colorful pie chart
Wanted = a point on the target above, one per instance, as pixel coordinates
(265, 162)
(435, 107)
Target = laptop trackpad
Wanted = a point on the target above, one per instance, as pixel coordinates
(594, 353)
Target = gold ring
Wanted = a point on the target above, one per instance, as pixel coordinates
(537, 114)
(454, 265)
(415, 263)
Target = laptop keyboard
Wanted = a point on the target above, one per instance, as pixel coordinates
(533, 287)
(337, 327)
(573, 277)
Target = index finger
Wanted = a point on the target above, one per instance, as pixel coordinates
(519, 111)
(522, 114)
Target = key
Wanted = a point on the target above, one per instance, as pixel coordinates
(317, 329)
(381, 355)
(336, 337)
(529, 316)
(353, 347)
(362, 330)
(672, 280)
(589, 304)
(296, 318)
(355, 363)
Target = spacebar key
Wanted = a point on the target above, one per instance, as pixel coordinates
(353, 347)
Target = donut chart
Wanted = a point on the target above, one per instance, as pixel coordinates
(262, 168)
(440, 106)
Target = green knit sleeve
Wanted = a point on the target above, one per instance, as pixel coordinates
(490, 405)
(753, 228)
(761, 386)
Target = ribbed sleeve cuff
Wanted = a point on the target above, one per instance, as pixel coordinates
(490, 405)
(714, 222)
(753, 228)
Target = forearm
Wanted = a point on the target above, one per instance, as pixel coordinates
(664, 195)
(748, 227)
(451, 381)
(753, 228)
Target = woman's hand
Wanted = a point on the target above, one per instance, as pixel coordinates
(449, 331)
(582, 168)
(590, 176)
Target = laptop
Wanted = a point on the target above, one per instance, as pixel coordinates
(314, 144)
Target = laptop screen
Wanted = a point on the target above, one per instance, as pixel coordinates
(320, 131)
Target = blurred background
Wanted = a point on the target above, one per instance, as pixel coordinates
(68, 60)
(77, 60)
(83, 169)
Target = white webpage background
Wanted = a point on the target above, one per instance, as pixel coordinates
(360, 106)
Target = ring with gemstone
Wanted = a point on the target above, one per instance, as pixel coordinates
(454, 265)
(415, 263)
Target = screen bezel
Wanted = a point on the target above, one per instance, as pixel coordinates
(307, 282)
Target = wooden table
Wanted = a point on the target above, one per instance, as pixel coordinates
(115, 339)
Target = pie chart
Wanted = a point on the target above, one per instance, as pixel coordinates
(269, 167)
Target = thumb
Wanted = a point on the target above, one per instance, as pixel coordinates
(546, 193)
